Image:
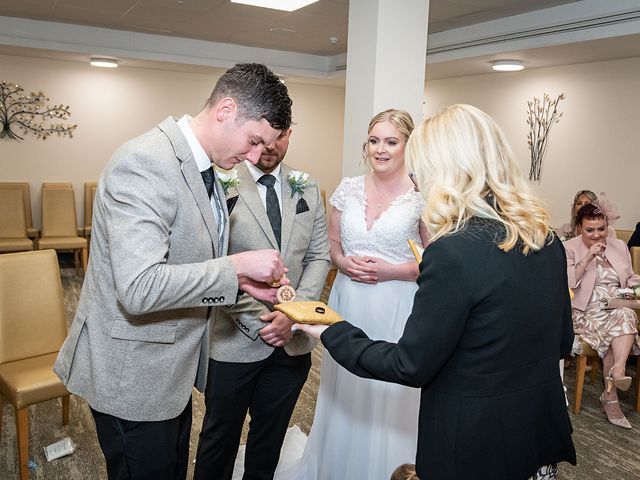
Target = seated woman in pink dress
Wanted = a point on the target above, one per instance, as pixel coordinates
(597, 266)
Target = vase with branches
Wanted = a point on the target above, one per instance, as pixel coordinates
(31, 114)
(541, 115)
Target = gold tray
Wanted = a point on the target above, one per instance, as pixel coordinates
(310, 312)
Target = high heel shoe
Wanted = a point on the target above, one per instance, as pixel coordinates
(622, 383)
(618, 422)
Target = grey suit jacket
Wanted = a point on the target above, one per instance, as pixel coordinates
(140, 338)
(305, 252)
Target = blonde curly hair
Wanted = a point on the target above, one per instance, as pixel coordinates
(465, 168)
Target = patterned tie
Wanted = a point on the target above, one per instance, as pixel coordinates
(273, 206)
(209, 179)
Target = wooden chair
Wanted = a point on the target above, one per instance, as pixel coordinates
(624, 235)
(33, 326)
(59, 222)
(635, 259)
(23, 188)
(13, 225)
(581, 365)
(89, 194)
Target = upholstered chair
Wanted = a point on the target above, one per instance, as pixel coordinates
(32, 328)
(13, 225)
(23, 188)
(59, 222)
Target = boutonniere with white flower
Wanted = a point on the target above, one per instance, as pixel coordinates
(298, 181)
(228, 179)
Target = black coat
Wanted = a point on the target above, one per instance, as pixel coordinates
(483, 341)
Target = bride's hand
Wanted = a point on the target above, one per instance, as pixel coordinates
(377, 268)
(358, 270)
(313, 330)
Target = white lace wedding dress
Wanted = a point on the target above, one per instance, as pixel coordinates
(363, 429)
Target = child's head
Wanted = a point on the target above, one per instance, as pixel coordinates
(405, 471)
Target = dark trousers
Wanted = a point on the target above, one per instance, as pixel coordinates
(268, 389)
(145, 450)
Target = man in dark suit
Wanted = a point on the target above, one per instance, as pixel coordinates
(140, 338)
(256, 366)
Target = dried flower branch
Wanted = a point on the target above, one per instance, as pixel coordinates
(31, 114)
(540, 117)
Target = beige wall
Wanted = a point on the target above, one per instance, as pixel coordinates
(596, 143)
(113, 105)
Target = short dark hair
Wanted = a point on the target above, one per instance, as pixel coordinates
(590, 211)
(258, 92)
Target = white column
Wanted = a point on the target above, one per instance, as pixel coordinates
(386, 58)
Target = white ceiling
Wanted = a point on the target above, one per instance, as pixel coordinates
(196, 35)
(306, 30)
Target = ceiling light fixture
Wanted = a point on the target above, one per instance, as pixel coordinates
(507, 65)
(104, 62)
(286, 5)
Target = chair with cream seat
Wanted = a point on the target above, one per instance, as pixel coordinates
(23, 188)
(13, 225)
(59, 222)
(33, 327)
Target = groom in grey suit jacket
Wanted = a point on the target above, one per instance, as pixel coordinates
(140, 338)
(260, 365)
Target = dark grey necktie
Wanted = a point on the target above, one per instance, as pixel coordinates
(273, 206)
(209, 179)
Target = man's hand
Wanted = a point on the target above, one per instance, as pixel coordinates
(278, 332)
(258, 290)
(259, 265)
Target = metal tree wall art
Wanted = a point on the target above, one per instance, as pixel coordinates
(541, 116)
(30, 114)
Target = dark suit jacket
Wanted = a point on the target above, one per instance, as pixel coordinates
(483, 342)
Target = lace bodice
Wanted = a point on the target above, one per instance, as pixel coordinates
(387, 238)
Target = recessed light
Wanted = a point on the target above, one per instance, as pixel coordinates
(104, 62)
(507, 65)
(286, 5)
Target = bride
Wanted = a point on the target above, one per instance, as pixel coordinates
(366, 428)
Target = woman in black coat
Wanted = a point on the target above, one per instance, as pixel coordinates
(491, 317)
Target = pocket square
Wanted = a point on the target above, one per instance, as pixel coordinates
(302, 206)
(231, 202)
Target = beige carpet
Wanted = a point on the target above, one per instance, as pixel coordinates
(604, 451)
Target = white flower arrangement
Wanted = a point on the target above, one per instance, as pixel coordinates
(298, 181)
(228, 179)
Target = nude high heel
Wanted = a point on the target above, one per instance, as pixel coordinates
(618, 422)
(622, 383)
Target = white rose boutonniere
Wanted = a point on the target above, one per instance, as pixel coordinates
(228, 179)
(299, 181)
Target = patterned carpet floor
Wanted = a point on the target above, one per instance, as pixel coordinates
(604, 451)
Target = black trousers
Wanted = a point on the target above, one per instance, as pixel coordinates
(145, 450)
(268, 390)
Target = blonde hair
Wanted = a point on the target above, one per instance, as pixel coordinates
(405, 471)
(398, 118)
(465, 168)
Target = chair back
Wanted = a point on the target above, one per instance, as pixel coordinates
(23, 188)
(58, 210)
(635, 259)
(13, 222)
(89, 194)
(624, 235)
(32, 313)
